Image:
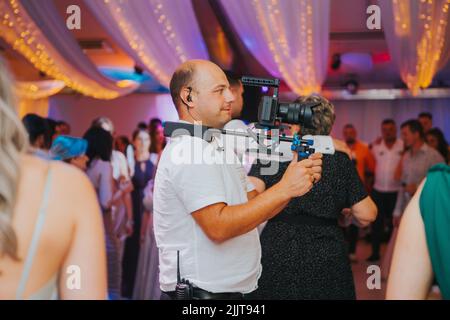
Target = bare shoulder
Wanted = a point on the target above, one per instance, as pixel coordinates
(70, 176)
(31, 165)
(73, 185)
(64, 176)
(69, 185)
(35, 165)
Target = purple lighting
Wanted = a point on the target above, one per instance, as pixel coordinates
(264, 89)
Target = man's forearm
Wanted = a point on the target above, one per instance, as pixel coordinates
(255, 193)
(280, 208)
(221, 222)
(240, 219)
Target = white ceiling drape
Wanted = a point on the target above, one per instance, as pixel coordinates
(36, 30)
(289, 38)
(159, 35)
(418, 37)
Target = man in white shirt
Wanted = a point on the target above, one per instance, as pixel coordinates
(204, 206)
(387, 154)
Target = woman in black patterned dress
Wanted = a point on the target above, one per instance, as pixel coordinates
(304, 254)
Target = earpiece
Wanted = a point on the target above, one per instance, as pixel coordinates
(189, 98)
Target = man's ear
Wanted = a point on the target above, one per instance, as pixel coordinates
(186, 97)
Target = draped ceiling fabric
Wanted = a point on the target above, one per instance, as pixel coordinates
(418, 37)
(289, 38)
(35, 29)
(33, 95)
(159, 35)
(34, 90)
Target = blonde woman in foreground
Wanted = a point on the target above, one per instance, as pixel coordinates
(51, 232)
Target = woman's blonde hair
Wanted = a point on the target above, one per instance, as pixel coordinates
(13, 142)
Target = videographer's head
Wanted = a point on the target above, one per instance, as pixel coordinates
(201, 92)
(323, 117)
(237, 89)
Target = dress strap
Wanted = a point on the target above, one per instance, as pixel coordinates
(36, 235)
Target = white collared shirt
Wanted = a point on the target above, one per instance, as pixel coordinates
(188, 178)
(417, 164)
(386, 163)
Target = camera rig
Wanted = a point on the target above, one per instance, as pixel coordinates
(304, 147)
(271, 114)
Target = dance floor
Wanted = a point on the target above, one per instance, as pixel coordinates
(360, 275)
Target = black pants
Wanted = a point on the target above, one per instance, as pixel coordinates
(200, 294)
(385, 202)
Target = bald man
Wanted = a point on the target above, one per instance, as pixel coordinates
(204, 206)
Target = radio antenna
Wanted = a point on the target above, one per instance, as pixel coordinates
(178, 267)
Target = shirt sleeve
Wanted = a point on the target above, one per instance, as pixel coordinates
(436, 158)
(354, 188)
(198, 184)
(250, 186)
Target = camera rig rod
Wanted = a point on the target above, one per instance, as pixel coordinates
(174, 129)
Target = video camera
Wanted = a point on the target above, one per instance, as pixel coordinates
(272, 113)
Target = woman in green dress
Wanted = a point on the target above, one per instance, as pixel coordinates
(422, 251)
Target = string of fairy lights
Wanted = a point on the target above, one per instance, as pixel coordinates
(141, 47)
(297, 69)
(295, 66)
(135, 42)
(35, 90)
(171, 36)
(433, 18)
(19, 30)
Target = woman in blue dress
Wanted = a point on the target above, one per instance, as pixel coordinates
(143, 172)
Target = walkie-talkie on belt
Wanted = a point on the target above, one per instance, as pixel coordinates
(184, 289)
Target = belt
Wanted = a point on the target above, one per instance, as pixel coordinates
(200, 294)
(306, 220)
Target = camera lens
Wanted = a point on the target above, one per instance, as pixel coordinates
(296, 113)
